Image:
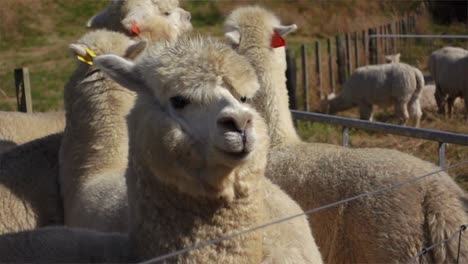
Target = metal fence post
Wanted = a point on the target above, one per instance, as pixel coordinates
(23, 90)
(305, 77)
(345, 136)
(340, 54)
(356, 50)
(348, 55)
(442, 149)
(372, 46)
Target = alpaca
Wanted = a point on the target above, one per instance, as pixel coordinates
(29, 188)
(154, 25)
(392, 227)
(196, 163)
(94, 149)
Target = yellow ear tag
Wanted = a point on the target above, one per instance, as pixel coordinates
(88, 58)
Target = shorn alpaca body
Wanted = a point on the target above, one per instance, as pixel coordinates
(395, 84)
(196, 163)
(393, 227)
(197, 157)
(15, 127)
(449, 68)
(29, 187)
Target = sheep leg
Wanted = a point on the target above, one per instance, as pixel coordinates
(365, 112)
(401, 111)
(450, 101)
(415, 112)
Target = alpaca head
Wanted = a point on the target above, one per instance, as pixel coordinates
(102, 42)
(190, 126)
(254, 26)
(136, 13)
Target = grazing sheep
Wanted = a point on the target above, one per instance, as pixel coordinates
(196, 163)
(385, 228)
(29, 189)
(94, 149)
(128, 15)
(16, 127)
(397, 84)
(448, 67)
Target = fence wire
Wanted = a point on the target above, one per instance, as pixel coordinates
(311, 211)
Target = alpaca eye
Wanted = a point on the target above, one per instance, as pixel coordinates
(167, 13)
(179, 102)
(243, 99)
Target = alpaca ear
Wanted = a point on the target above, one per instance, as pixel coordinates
(397, 56)
(232, 37)
(285, 30)
(77, 50)
(136, 49)
(97, 21)
(120, 70)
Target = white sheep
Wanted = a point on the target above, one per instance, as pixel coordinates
(15, 127)
(396, 84)
(386, 228)
(29, 188)
(448, 68)
(196, 163)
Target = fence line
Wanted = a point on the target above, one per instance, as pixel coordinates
(249, 230)
(418, 36)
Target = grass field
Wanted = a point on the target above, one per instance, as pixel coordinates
(35, 34)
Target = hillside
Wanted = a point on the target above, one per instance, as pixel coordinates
(36, 33)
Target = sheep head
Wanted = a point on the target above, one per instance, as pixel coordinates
(190, 127)
(102, 42)
(128, 15)
(255, 26)
(392, 58)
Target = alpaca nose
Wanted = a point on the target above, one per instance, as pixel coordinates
(235, 123)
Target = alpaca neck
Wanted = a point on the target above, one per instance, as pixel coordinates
(165, 220)
(272, 98)
(95, 136)
(339, 103)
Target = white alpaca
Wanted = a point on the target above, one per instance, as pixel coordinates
(196, 163)
(155, 21)
(390, 227)
(448, 68)
(392, 58)
(29, 188)
(396, 84)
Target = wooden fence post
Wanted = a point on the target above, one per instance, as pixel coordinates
(305, 77)
(372, 47)
(391, 40)
(340, 54)
(348, 56)
(23, 90)
(291, 79)
(318, 62)
(356, 50)
(365, 47)
(330, 65)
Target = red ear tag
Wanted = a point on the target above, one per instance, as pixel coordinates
(135, 29)
(277, 41)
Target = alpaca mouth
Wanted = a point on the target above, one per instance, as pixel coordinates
(239, 155)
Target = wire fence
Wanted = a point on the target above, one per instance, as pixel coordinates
(314, 210)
